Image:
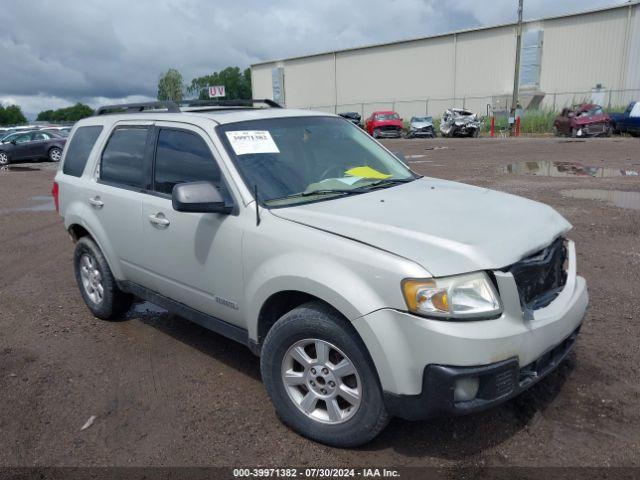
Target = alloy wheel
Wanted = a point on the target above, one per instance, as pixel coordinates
(91, 278)
(55, 155)
(321, 381)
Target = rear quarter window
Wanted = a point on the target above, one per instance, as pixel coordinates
(79, 148)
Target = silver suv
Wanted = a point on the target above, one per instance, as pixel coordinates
(367, 290)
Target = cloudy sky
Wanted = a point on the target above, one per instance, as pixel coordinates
(57, 52)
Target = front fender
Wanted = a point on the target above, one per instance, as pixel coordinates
(354, 278)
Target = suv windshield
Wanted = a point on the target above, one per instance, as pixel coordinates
(387, 116)
(422, 119)
(302, 159)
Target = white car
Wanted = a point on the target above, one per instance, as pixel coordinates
(367, 290)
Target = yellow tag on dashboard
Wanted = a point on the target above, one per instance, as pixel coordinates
(366, 172)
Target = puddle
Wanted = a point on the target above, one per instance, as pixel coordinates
(436, 148)
(15, 168)
(145, 309)
(548, 168)
(45, 204)
(616, 198)
(422, 161)
(415, 156)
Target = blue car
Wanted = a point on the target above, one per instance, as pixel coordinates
(628, 121)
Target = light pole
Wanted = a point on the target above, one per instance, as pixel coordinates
(516, 73)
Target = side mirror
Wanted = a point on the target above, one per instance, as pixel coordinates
(199, 197)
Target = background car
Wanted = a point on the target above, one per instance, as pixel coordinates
(458, 122)
(353, 117)
(583, 120)
(627, 121)
(421, 127)
(31, 145)
(384, 124)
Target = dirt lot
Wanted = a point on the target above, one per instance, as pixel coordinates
(167, 392)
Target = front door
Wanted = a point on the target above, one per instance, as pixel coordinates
(194, 258)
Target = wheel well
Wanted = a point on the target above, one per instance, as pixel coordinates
(276, 306)
(77, 232)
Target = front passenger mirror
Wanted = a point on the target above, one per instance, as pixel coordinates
(199, 197)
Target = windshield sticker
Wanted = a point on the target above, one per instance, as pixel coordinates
(349, 180)
(366, 172)
(252, 141)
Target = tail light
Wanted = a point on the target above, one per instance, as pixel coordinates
(55, 192)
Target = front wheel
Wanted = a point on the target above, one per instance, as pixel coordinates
(4, 159)
(55, 154)
(320, 378)
(376, 133)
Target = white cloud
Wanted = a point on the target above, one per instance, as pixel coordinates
(58, 52)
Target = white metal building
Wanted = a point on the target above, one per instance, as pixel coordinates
(593, 55)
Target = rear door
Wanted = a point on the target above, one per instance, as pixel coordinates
(115, 197)
(40, 144)
(193, 258)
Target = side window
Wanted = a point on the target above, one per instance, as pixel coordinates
(23, 138)
(79, 149)
(123, 157)
(181, 157)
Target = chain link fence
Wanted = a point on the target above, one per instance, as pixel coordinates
(499, 104)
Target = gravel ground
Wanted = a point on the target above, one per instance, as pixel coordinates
(167, 392)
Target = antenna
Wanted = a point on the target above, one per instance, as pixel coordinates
(255, 194)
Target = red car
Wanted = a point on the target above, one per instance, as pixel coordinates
(582, 121)
(384, 124)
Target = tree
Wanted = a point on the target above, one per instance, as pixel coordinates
(69, 114)
(237, 84)
(170, 86)
(11, 115)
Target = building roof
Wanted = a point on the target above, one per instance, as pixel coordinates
(630, 3)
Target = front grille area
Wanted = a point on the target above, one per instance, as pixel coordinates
(541, 276)
(390, 128)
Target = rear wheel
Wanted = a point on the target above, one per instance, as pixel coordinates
(96, 282)
(4, 159)
(320, 379)
(55, 154)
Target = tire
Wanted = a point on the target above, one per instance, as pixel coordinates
(4, 159)
(55, 154)
(376, 133)
(574, 133)
(354, 422)
(96, 283)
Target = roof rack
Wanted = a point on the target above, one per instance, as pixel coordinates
(174, 107)
(213, 102)
(167, 105)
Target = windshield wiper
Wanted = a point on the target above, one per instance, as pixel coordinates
(385, 182)
(312, 193)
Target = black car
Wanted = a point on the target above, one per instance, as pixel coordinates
(353, 117)
(31, 145)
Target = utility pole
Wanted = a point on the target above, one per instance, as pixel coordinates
(516, 74)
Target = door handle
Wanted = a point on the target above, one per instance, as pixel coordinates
(160, 220)
(96, 202)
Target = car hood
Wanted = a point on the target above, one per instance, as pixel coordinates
(421, 124)
(446, 227)
(589, 120)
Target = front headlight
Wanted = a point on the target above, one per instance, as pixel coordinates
(459, 297)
